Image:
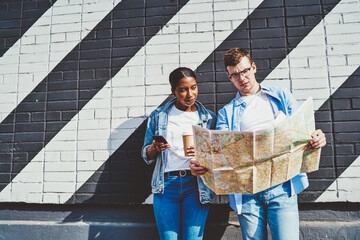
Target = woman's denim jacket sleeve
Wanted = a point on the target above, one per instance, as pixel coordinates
(157, 125)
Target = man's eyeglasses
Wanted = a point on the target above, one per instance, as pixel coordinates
(244, 73)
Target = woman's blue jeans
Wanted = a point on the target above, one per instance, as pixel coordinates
(178, 212)
(275, 206)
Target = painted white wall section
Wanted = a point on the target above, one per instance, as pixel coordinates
(44, 45)
(346, 188)
(319, 64)
(317, 67)
(128, 97)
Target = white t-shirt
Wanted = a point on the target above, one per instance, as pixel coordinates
(258, 113)
(178, 122)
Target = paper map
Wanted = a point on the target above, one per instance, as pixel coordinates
(250, 162)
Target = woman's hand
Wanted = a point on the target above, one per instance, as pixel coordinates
(318, 139)
(159, 146)
(196, 169)
(155, 148)
(190, 151)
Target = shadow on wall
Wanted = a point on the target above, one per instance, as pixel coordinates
(110, 202)
(124, 178)
(114, 190)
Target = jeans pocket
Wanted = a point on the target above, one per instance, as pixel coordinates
(286, 188)
(169, 179)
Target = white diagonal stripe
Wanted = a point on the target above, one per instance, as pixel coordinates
(143, 76)
(314, 68)
(317, 66)
(345, 188)
(123, 103)
(44, 45)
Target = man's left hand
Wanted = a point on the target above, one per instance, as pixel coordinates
(318, 139)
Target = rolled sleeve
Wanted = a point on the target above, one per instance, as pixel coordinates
(150, 130)
(222, 122)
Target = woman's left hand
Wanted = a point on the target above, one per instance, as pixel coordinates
(318, 139)
(190, 151)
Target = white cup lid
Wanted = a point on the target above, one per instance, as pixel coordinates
(187, 133)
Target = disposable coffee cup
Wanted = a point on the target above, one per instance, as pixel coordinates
(188, 140)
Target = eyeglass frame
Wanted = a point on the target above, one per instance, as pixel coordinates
(244, 73)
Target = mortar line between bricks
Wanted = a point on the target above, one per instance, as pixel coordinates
(286, 45)
(331, 109)
(214, 46)
(336, 173)
(12, 167)
(77, 107)
(45, 107)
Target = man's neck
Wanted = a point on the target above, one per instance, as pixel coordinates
(252, 91)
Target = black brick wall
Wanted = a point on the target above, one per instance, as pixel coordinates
(271, 32)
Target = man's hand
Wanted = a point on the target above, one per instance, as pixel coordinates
(318, 139)
(196, 169)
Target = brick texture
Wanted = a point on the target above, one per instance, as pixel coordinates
(78, 80)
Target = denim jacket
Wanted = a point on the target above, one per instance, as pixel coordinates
(229, 118)
(157, 125)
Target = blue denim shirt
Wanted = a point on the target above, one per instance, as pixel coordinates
(157, 125)
(229, 118)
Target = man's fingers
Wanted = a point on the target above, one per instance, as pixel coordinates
(317, 134)
(196, 168)
(319, 144)
(198, 172)
(194, 162)
(318, 139)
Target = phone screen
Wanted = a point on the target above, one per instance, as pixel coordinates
(159, 138)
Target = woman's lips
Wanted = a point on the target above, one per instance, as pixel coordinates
(189, 100)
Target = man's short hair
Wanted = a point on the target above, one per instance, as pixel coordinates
(234, 55)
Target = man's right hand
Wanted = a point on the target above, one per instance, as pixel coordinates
(196, 169)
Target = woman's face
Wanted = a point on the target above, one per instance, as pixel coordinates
(186, 93)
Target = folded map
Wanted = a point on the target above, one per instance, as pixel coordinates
(250, 162)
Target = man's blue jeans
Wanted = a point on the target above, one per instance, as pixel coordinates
(274, 205)
(178, 212)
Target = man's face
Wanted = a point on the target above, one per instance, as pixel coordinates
(243, 77)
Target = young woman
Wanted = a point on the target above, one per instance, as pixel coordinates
(180, 199)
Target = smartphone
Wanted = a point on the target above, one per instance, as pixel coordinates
(159, 138)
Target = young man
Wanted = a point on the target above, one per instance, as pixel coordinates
(253, 108)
